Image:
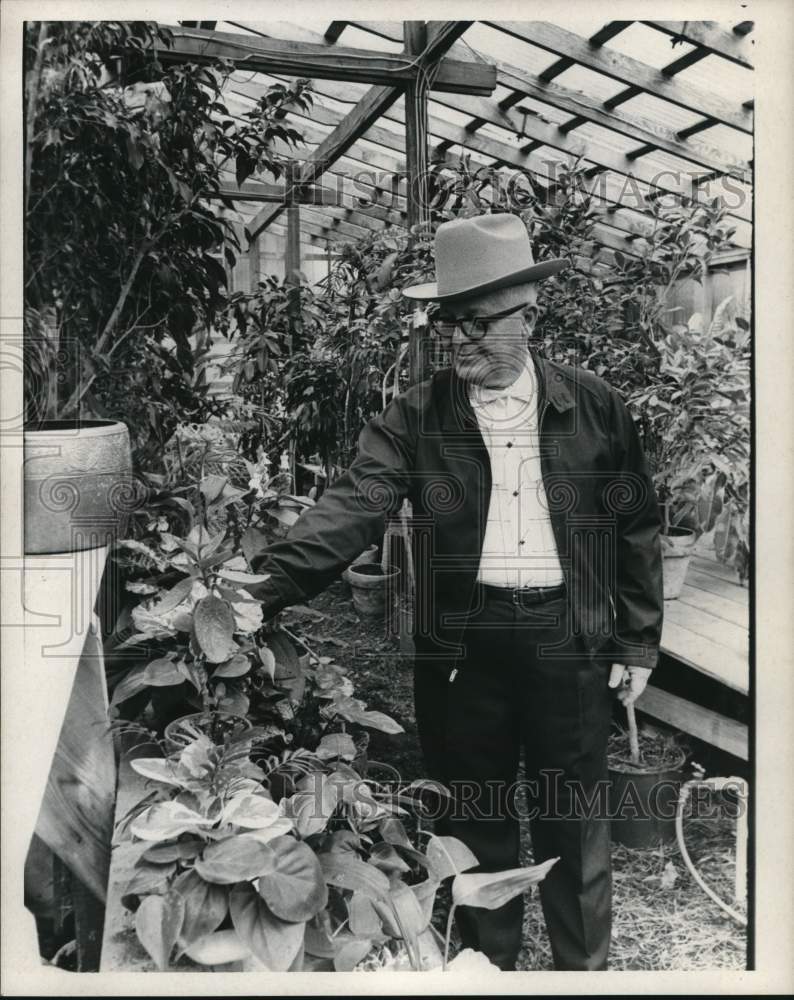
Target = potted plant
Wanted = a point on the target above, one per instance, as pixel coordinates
(646, 772)
(693, 415)
(197, 622)
(225, 874)
(123, 161)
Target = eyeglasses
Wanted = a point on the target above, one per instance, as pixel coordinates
(472, 327)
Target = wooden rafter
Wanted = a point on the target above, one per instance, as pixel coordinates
(321, 61)
(627, 70)
(548, 135)
(711, 36)
(361, 118)
(585, 108)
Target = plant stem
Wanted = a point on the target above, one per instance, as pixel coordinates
(634, 742)
(448, 937)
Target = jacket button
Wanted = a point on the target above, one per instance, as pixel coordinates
(509, 444)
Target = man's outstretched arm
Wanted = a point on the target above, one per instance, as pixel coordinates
(349, 516)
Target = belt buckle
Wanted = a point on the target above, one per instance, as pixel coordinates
(518, 592)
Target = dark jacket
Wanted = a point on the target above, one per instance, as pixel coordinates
(426, 446)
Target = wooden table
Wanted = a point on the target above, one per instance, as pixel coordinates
(706, 629)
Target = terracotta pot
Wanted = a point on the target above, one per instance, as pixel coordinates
(369, 555)
(176, 738)
(642, 802)
(677, 547)
(79, 488)
(372, 588)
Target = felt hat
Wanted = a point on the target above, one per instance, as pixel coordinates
(479, 255)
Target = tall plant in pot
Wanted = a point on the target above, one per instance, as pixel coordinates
(123, 250)
(693, 415)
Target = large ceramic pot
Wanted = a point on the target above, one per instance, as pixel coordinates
(78, 485)
(678, 544)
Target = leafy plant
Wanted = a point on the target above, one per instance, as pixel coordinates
(126, 253)
(694, 418)
(315, 880)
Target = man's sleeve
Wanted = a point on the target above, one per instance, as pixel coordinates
(638, 597)
(348, 517)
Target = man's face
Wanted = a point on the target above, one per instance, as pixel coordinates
(490, 352)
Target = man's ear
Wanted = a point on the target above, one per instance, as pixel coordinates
(531, 316)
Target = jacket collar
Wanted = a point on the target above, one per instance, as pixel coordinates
(553, 387)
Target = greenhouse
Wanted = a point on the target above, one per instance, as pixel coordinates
(387, 466)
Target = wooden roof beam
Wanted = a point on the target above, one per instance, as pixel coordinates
(374, 103)
(630, 71)
(543, 133)
(630, 124)
(322, 61)
(712, 38)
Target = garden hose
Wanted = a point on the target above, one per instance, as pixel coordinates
(715, 784)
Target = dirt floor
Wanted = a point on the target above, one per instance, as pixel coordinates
(661, 919)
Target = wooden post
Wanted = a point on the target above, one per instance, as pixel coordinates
(292, 262)
(253, 264)
(415, 38)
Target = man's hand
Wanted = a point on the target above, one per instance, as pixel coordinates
(630, 681)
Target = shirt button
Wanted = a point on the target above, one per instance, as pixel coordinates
(509, 444)
(521, 542)
(515, 493)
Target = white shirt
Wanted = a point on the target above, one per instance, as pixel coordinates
(519, 549)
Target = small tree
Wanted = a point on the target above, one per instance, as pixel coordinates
(123, 244)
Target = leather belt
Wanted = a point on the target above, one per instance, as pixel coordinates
(523, 595)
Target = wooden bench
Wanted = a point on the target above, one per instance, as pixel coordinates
(706, 629)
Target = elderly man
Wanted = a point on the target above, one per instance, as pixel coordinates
(538, 580)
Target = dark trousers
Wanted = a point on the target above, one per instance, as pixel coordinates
(525, 683)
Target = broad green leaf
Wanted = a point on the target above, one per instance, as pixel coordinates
(313, 806)
(173, 597)
(158, 921)
(425, 893)
(295, 889)
(345, 871)
(242, 577)
(206, 905)
(276, 943)
(166, 820)
(177, 850)
(354, 710)
(268, 658)
(362, 916)
(128, 686)
(235, 859)
(213, 625)
(491, 890)
(401, 914)
(449, 856)
(385, 857)
(163, 673)
(254, 812)
(393, 832)
(318, 940)
(218, 948)
(336, 745)
(350, 951)
(150, 877)
(237, 666)
(157, 769)
(212, 486)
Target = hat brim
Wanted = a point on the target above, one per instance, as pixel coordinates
(428, 291)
